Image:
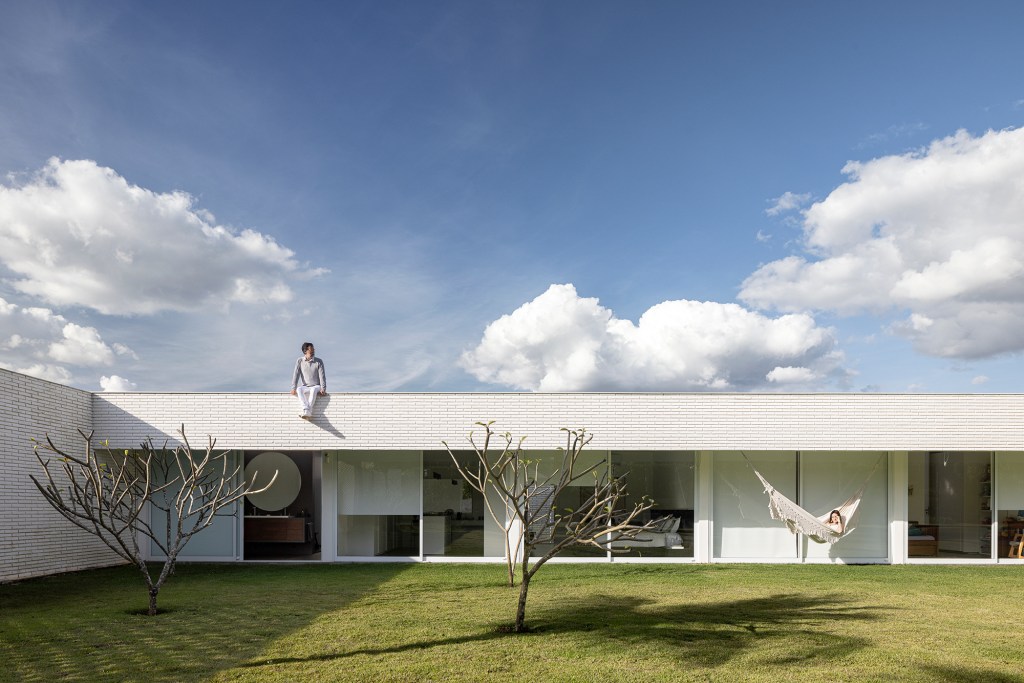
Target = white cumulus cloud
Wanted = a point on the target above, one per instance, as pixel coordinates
(937, 234)
(788, 201)
(563, 342)
(53, 373)
(81, 346)
(115, 383)
(122, 350)
(791, 375)
(79, 234)
(39, 342)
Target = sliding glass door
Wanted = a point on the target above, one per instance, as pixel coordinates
(379, 503)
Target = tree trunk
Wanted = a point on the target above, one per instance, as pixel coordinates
(152, 600)
(524, 587)
(151, 587)
(510, 562)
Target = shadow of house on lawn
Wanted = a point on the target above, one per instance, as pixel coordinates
(86, 626)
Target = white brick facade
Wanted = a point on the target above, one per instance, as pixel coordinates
(34, 539)
(850, 422)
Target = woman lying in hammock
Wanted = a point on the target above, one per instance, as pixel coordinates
(825, 529)
(835, 522)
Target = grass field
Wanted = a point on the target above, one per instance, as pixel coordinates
(590, 623)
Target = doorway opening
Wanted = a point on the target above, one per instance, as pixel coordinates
(282, 522)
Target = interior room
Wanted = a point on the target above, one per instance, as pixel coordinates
(379, 503)
(283, 521)
(667, 478)
(949, 505)
(454, 514)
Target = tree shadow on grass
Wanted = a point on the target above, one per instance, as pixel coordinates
(81, 627)
(711, 634)
(704, 634)
(492, 634)
(968, 675)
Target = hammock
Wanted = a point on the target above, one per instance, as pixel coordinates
(800, 521)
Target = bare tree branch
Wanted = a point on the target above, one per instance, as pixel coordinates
(527, 496)
(115, 495)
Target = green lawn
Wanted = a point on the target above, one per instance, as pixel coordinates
(591, 623)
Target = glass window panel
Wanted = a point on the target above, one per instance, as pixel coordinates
(667, 477)
(379, 503)
(379, 482)
(950, 501)
(378, 535)
(455, 520)
(217, 540)
(1010, 481)
(743, 527)
(1010, 497)
(828, 479)
(549, 464)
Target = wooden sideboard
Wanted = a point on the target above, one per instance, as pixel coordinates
(275, 530)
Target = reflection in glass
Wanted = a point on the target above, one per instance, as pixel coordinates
(829, 477)
(455, 519)
(1010, 494)
(949, 500)
(743, 527)
(378, 503)
(668, 478)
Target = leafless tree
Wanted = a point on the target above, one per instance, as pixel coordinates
(520, 496)
(162, 495)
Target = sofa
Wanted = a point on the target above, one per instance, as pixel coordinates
(662, 535)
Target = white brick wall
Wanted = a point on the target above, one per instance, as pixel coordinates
(618, 421)
(34, 539)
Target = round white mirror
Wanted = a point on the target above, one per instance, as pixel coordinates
(285, 488)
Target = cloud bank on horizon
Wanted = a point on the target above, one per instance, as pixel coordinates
(935, 236)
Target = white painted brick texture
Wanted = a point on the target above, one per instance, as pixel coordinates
(34, 539)
(852, 422)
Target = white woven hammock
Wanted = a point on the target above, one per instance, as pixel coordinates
(800, 521)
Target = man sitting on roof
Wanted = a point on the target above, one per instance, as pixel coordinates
(308, 380)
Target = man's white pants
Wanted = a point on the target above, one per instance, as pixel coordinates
(307, 397)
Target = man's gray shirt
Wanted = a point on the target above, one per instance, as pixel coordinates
(310, 372)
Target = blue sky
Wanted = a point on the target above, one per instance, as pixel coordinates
(568, 196)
